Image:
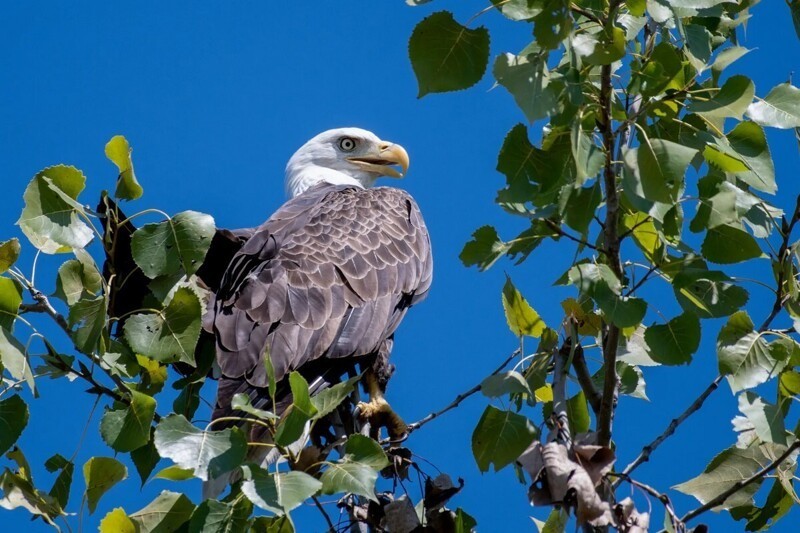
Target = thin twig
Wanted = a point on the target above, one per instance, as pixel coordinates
(556, 228)
(660, 496)
(643, 279)
(460, 398)
(779, 295)
(322, 510)
(739, 485)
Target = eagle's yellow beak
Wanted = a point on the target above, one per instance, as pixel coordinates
(385, 155)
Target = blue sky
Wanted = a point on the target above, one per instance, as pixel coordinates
(214, 99)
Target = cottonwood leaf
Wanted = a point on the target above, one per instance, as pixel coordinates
(212, 516)
(209, 453)
(116, 521)
(283, 524)
(484, 249)
(708, 294)
(326, 401)
(14, 359)
(500, 437)
(76, 280)
(101, 474)
(661, 165)
(727, 245)
(241, 402)
(63, 482)
(745, 153)
(182, 242)
(578, 413)
(350, 477)
(528, 80)
(87, 320)
(19, 492)
(519, 9)
(174, 473)
(145, 459)
(601, 48)
(732, 100)
(766, 418)
(9, 253)
(167, 513)
(51, 218)
(119, 152)
(128, 427)
(168, 335)
(779, 109)
(674, 343)
(726, 469)
(745, 356)
(447, 56)
(504, 383)
(366, 451)
(522, 319)
(778, 503)
(10, 300)
(293, 422)
(278, 492)
(13, 419)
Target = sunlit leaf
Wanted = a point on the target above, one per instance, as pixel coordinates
(299, 412)
(87, 320)
(212, 516)
(779, 109)
(601, 48)
(732, 100)
(519, 9)
(209, 453)
(128, 427)
(9, 253)
(327, 400)
(766, 418)
(745, 356)
(116, 521)
(119, 152)
(278, 492)
(527, 79)
(521, 317)
(167, 513)
(181, 242)
(101, 474)
(10, 300)
(18, 492)
(14, 359)
(50, 219)
(504, 383)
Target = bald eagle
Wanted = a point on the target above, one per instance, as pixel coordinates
(319, 288)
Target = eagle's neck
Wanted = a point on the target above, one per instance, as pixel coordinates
(300, 179)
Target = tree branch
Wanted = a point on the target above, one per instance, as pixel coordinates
(739, 485)
(331, 527)
(460, 398)
(663, 498)
(561, 432)
(786, 230)
(585, 379)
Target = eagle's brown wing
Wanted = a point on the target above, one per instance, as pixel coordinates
(330, 275)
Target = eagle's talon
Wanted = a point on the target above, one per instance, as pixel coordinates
(379, 414)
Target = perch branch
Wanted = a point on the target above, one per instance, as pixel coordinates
(460, 398)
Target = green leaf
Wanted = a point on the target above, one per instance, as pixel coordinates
(697, 45)
(241, 402)
(350, 477)
(528, 80)
(283, 524)
(63, 482)
(732, 100)
(778, 503)
(601, 48)
(578, 205)
(15, 360)
(674, 343)
(484, 249)
(87, 320)
(794, 6)
(504, 383)
(578, 414)
(78, 278)
(447, 56)
(167, 513)
(708, 294)
(588, 156)
(212, 516)
(663, 71)
(631, 379)
(727, 244)
(726, 469)
(366, 451)
(695, 4)
(13, 419)
(9, 253)
(519, 9)
(101, 473)
(780, 108)
(128, 427)
(600, 283)
(119, 152)
(181, 242)
(169, 335)
(209, 453)
(145, 459)
(746, 154)
(327, 400)
(727, 57)
(293, 423)
(116, 521)
(766, 418)
(521, 317)
(10, 300)
(500, 437)
(50, 218)
(174, 473)
(556, 522)
(661, 166)
(744, 355)
(279, 492)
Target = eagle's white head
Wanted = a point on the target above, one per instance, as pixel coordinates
(344, 156)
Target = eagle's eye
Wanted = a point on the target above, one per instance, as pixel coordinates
(347, 144)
